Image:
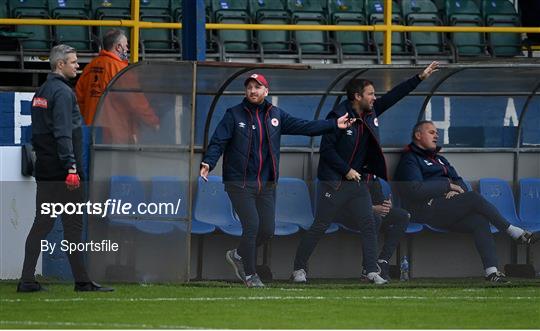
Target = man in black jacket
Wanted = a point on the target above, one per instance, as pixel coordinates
(434, 193)
(249, 136)
(348, 159)
(57, 140)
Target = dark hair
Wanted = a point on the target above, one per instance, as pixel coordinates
(111, 38)
(356, 86)
(418, 126)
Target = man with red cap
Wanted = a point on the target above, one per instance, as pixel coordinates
(249, 136)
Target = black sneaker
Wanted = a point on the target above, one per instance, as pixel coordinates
(26, 287)
(236, 264)
(497, 277)
(91, 287)
(529, 238)
(254, 281)
(384, 269)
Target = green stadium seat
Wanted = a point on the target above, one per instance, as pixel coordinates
(375, 16)
(40, 39)
(159, 40)
(422, 13)
(502, 13)
(232, 12)
(349, 12)
(270, 12)
(465, 13)
(111, 10)
(309, 12)
(3, 10)
(79, 37)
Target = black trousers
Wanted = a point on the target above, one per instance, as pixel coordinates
(54, 191)
(469, 212)
(394, 225)
(354, 199)
(256, 211)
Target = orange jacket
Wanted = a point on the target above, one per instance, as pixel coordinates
(121, 115)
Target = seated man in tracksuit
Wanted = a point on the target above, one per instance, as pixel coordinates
(393, 221)
(434, 193)
(348, 159)
(249, 137)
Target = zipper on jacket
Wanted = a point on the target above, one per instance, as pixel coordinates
(259, 182)
(356, 141)
(436, 161)
(379, 148)
(249, 147)
(270, 143)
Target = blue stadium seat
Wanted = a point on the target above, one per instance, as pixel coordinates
(212, 193)
(293, 204)
(128, 189)
(499, 193)
(168, 189)
(529, 203)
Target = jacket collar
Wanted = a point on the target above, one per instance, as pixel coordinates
(352, 113)
(424, 152)
(53, 75)
(264, 106)
(110, 54)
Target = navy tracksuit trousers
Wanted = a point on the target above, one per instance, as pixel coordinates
(352, 197)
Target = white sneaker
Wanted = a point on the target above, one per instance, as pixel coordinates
(376, 279)
(299, 276)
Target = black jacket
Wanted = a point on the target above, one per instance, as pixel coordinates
(233, 138)
(422, 176)
(56, 129)
(339, 148)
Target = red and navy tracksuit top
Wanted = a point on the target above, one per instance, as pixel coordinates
(424, 175)
(249, 137)
(358, 147)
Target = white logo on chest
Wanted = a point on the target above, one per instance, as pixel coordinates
(242, 125)
(428, 163)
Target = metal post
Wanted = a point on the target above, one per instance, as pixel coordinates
(387, 57)
(193, 31)
(135, 32)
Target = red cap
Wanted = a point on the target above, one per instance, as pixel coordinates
(258, 78)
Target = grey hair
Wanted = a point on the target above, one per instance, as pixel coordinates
(418, 126)
(111, 38)
(59, 53)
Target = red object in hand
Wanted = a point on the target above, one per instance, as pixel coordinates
(73, 181)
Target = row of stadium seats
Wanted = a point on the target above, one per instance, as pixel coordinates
(293, 206)
(297, 45)
(294, 210)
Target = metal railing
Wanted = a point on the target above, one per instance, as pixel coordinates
(387, 28)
